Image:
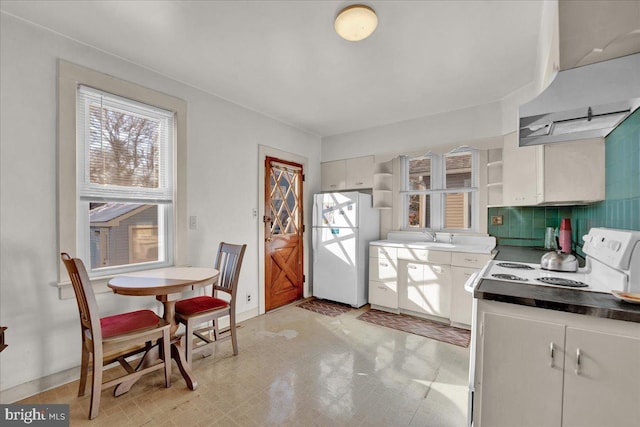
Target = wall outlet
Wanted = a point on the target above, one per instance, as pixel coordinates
(193, 222)
(248, 298)
(496, 219)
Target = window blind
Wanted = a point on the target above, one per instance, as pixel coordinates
(124, 149)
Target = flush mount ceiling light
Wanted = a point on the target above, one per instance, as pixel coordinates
(356, 22)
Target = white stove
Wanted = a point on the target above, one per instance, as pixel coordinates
(612, 263)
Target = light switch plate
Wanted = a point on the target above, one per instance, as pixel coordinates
(496, 219)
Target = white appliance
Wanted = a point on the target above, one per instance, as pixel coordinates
(343, 226)
(612, 264)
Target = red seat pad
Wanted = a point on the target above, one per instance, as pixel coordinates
(124, 323)
(199, 304)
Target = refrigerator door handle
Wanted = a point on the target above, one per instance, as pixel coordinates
(315, 213)
(314, 241)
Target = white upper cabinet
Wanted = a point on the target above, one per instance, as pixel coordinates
(555, 174)
(349, 174)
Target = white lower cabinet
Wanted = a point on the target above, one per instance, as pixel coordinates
(520, 384)
(383, 278)
(424, 288)
(601, 380)
(461, 300)
(534, 372)
(463, 265)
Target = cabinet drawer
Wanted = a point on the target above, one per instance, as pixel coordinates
(383, 294)
(382, 252)
(471, 260)
(424, 255)
(383, 269)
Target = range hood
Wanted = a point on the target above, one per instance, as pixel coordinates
(582, 103)
(581, 123)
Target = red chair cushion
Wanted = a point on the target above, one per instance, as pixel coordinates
(124, 323)
(199, 304)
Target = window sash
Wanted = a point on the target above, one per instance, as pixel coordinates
(87, 190)
(438, 191)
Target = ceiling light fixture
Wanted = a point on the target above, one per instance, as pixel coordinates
(356, 22)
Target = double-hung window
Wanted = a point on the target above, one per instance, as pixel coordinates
(125, 181)
(440, 191)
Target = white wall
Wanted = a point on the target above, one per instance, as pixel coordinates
(438, 132)
(223, 138)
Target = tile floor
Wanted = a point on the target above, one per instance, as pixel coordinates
(298, 368)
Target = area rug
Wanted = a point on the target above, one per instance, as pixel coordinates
(415, 325)
(328, 308)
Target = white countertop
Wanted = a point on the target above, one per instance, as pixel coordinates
(459, 243)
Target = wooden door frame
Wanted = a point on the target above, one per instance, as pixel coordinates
(264, 152)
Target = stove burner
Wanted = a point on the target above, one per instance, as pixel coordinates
(515, 265)
(509, 277)
(562, 282)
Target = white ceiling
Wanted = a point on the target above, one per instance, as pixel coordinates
(283, 58)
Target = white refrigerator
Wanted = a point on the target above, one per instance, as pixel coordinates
(343, 226)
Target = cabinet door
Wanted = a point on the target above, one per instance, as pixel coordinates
(425, 288)
(605, 390)
(383, 279)
(359, 172)
(333, 175)
(461, 300)
(564, 162)
(521, 172)
(521, 384)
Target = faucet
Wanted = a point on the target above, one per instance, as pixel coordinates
(431, 234)
(451, 238)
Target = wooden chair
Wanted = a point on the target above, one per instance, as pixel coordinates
(195, 311)
(113, 338)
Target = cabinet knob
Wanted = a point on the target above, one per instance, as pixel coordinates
(359, 183)
(551, 354)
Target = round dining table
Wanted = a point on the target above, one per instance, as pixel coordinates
(167, 285)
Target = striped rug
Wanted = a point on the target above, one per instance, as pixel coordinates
(415, 325)
(328, 308)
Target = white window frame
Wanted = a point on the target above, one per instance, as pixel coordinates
(70, 77)
(438, 190)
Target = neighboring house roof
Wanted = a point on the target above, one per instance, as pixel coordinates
(110, 214)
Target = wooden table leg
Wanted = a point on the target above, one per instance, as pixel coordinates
(177, 352)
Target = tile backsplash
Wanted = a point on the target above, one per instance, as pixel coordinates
(525, 226)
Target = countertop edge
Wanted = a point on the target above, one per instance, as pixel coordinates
(594, 304)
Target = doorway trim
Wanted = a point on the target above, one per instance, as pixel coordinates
(265, 151)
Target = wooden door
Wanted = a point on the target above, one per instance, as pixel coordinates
(283, 226)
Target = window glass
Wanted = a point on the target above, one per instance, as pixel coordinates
(125, 194)
(420, 173)
(419, 211)
(439, 191)
(457, 210)
(458, 170)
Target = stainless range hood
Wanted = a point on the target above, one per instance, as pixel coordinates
(582, 103)
(581, 123)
